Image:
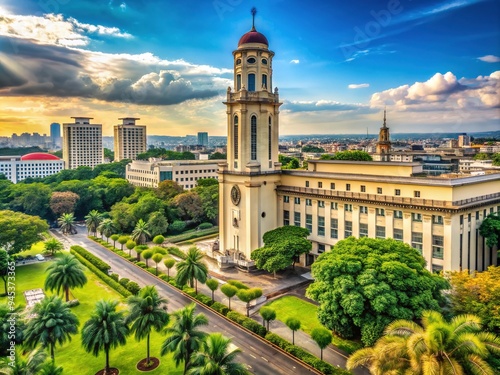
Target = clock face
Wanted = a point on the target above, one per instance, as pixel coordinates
(235, 195)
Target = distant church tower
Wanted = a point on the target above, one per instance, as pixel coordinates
(248, 200)
(384, 144)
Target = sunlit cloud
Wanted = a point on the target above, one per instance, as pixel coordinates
(490, 59)
(358, 86)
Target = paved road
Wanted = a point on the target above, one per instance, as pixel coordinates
(260, 358)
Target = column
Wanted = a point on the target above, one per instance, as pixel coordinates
(427, 240)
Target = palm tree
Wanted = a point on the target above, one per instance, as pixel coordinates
(67, 223)
(107, 228)
(92, 220)
(52, 245)
(214, 358)
(183, 336)
(147, 313)
(66, 273)
(106, 329)
(192, 269)
(53, 323)
(438, 347)
(31, 365)
(140, 234)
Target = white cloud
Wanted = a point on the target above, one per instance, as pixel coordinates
(123, 7)
(358, 86)
(490, 59)
(99, 29)
(295, 61)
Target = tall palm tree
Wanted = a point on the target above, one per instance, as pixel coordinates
(183, 336)
(106, 329)
(92, 221)
(52, 245)
(438, 347)
(53, 323)
(67, 223)
(141, 233)
(215, 358)
(106, 227)
(30, 365)
(64, 274)
(192, 269)
(147, 312)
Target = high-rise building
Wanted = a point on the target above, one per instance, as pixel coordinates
(129, 139)
(463, 140)
(55, 134)
(203, 139)
(82, 143)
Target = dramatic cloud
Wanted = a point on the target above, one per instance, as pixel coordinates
(358, 86)
(294, 61)
(490, 59)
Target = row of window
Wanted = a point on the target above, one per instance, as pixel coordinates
(362, 189)
(251, 60)
(251, 82)
(196, 171)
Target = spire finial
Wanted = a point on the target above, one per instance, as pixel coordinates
(254, 12)
(385, 119)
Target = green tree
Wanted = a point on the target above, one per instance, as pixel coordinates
(212, 284)
(122, 240)
(282, 247)
(67, 223)
(52, 246)
(123, 217)
(63, 202)
(157, 258)
(482, 156)
(157, 223)
(139, 249)
(147, 312)
(130, 244)
(107, 227)
(229, 291)
(5, 268)
(294, 324)
(147, 255)
(158, 240)
(323, 338)
(141, 234)
(92, 221)
(208, 191)
(268, 314)
(192, 269)
(169, 263)
(490, 229)
(217, 156)
(189, 206)
(64, 274)
(438, 347)
(115, 238)
(312, 148)
(248, 295)
(168, 189)
(216, 358)
(364, 284)
(105, 330)
(31, 199)
(14, 223)
(184, 335)
(355, 155)
(53, 323)
(30, 365)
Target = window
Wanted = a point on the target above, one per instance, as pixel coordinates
(332, 185)
(321, 248)
(363, 209)
(251, 60)
(321, 204)
(264, 81)
(461, 219)
(398, 214)
(253, 138)
(437, 268)
(309, 223)
(238, 61)
(363, 230)
(286, 198)
(307, 183)
(363, 188)
(251, 82)
(437, 247)
(380, 212)
(348, 187)
(416, 240)
(437, 219)
(320, 184)
(269, 140)
(477, 215)
(398, 234)
(296, 219)
(264, 61)
(238, 82)
(348, 207)
(296, 200)
(397, 192)
(321, 226)
(308, 202)
(334, 206)
(379, 190)
(416, 194)
(379, 232)
(416, 217)
(334, 228)
(348, 229)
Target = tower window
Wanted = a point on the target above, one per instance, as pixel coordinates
(264, 81)
(253, 135)
(238, 82)
(235, 137)
(264, 61)
(251, 82)
(251, 60)
(238, 61)
(270, 139)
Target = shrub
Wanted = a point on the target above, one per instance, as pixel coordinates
(176, 252)
(124, 281)
(248, 323)
(101, 266)
(220, 308)
(237, 284)
(141, 264)
(133, 287)
(205, 226)
(204, 299)
(177, 226)
(151, 270)
(195, 234)
(115, 276)
(164, 277)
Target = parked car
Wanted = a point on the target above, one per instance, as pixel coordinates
(39, 257)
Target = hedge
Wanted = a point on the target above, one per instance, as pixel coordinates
(98, 263)
(176, 252)
(192, 235)
(141, 264)
(220, 308)
(237, 284)
(248, 323)
(115, 276)
(133, 287)
(205, 226)
(164, 277)
(124, 281)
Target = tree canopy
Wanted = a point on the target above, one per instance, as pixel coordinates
(364, 284)
(355, 155)
(15, 223)
(312, 148)
(490, 229)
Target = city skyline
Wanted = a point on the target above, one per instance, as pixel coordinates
(434, 64)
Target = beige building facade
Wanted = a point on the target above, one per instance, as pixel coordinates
(129, 139)
(82, 143)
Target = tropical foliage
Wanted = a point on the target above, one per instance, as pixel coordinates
(14, 223)
(192, 269)
(64, 274)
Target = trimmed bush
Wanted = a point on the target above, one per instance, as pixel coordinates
(205, 226)
(124, 281)
(164, 277)
(141, 264)
(151, 270)
(101, 266)
(248, 323)
(220, 308)
(115, 276)
(237, 284)
(133, 287)
(204, 299)
(176, 227)
(193, 234)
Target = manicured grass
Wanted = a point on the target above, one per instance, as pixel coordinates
(72, 357)
(293, 307)
(37, 248)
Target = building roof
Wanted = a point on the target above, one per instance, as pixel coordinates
(253, 36)
(39, 156)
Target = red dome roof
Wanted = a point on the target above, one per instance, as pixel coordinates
(253, 36)
(39, 156)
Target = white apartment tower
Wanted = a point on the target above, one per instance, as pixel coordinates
(129, 139)
(82, 143)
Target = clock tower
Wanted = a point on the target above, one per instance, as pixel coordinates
(247, 182)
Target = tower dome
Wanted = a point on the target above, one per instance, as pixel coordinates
(253, 36)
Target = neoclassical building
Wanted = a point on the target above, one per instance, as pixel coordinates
(440, 216)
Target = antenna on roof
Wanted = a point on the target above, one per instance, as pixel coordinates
(254, 12)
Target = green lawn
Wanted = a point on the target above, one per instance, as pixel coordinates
(37, 248)
(71, 356)
(294, 307)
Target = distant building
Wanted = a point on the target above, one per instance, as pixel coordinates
(129, 139)
(463, 140)
(82, 143)
(490, 149)
(185, 172)
(384, 143)
(203, 139)
(38, 164)
(55, 134)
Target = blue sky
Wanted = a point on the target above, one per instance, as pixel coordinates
(434, 64)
